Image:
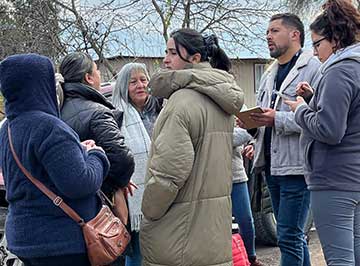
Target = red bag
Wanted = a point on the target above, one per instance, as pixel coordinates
(240, 257)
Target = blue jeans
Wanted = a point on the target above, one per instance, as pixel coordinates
(290, 200)
(135, 259)
(337, 220)
(241, 210)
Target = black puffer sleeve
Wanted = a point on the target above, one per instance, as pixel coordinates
(106, 133)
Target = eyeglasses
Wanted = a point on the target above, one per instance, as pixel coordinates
(316, 44)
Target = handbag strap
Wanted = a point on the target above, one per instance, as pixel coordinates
(57, 200)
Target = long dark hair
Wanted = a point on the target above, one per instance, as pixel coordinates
(339, 21)
(207, 46)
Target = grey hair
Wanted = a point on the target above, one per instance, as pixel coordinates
(121, 90)
(59, 79)
(74, 66)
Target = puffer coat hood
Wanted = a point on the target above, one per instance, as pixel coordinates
(27, 82)
(219, 85)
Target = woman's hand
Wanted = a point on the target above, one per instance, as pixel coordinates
(129, 189)
(249, 151)
(89, 144)
(294, 104)
(239, 123)
(304, 90)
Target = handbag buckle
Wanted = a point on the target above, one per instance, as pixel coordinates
(57, 201)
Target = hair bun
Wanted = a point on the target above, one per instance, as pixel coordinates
(211, 44)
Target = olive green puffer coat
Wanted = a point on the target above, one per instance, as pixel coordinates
(186, 203)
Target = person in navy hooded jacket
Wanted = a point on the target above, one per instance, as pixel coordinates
(39, 232)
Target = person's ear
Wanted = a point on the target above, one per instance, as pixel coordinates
(295, 34)
(196, 58)
(88, 78)
(334, 45)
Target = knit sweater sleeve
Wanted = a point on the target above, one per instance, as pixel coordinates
(240, 137)
(74, 172)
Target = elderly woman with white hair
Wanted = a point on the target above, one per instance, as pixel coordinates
(140, 112)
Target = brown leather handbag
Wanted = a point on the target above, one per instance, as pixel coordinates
(106, 237)
(118, 205)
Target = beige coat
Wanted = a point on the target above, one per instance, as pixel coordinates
(186, 203)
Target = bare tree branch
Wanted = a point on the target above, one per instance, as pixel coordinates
(166, 16)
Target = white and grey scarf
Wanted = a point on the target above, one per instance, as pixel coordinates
(138, 140)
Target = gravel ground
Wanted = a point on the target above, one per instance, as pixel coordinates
(270, 256)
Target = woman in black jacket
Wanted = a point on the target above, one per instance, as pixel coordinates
(88, 112)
